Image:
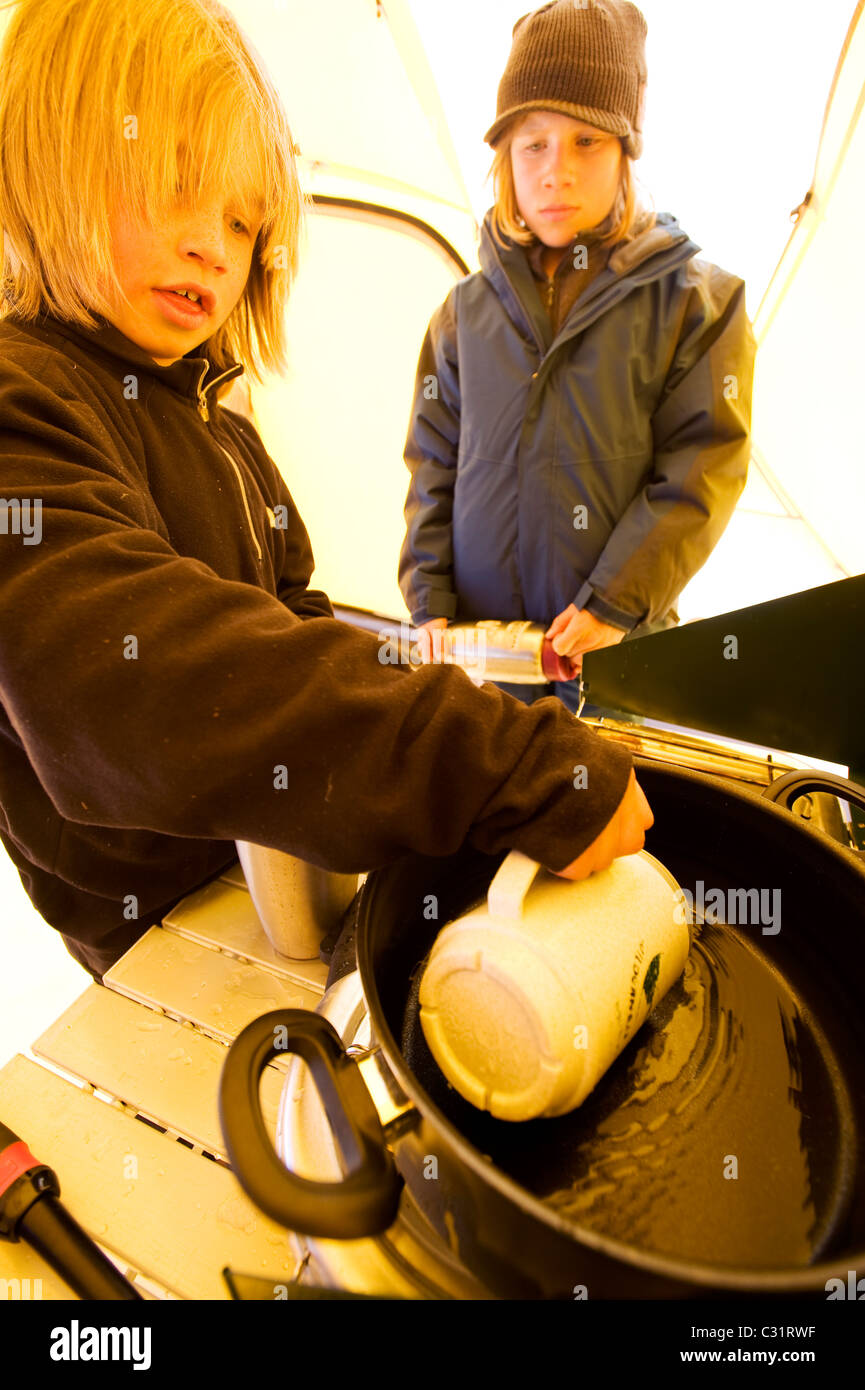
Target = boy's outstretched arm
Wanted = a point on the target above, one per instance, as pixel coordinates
(148, 692)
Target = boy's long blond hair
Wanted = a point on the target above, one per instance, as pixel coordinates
(507, 222)
(107, 103)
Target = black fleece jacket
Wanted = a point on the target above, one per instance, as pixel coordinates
(169, 683)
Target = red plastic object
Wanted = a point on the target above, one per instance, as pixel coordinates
(15, 1159)
(555, 667)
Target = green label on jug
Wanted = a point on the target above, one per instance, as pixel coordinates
(651, 978)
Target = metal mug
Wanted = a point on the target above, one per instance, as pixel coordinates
(298, 903)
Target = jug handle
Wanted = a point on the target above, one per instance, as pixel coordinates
(507, 892)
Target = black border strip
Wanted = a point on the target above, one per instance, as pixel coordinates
(330, 200)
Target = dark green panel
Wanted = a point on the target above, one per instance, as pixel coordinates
(797, 682)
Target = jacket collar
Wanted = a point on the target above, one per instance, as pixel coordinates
(192, 376)
(648, 256)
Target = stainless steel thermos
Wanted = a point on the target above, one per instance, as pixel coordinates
(517, 653)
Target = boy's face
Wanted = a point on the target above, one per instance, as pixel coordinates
(566, 175)
(210, 245)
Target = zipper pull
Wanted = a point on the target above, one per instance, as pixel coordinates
(202, 399)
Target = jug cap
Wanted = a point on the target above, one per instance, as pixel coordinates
(526, 999)
(497, 1019)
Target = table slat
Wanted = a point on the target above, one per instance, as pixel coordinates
(165, 1070)
(218, 994)
(222, 915)
(173, 1214)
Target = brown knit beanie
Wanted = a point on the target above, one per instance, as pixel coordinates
(584, 58)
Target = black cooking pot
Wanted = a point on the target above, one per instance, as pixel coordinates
(720, 1154)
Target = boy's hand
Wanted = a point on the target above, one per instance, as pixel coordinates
(425, 637)
(576, 631)
(624, 834)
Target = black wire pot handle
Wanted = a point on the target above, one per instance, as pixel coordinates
(365, 1200)
(785, 790)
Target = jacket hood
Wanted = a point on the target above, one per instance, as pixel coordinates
(653, 251)
(664, 235)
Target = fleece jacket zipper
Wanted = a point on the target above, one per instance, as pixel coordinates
(205, 415)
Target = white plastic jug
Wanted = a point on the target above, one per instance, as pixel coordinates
(527, 1000)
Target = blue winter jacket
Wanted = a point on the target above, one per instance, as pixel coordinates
(597, 466)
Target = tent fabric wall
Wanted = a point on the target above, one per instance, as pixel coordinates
(808, 389)
(347, 93)
(336, 424)
(798, 523)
